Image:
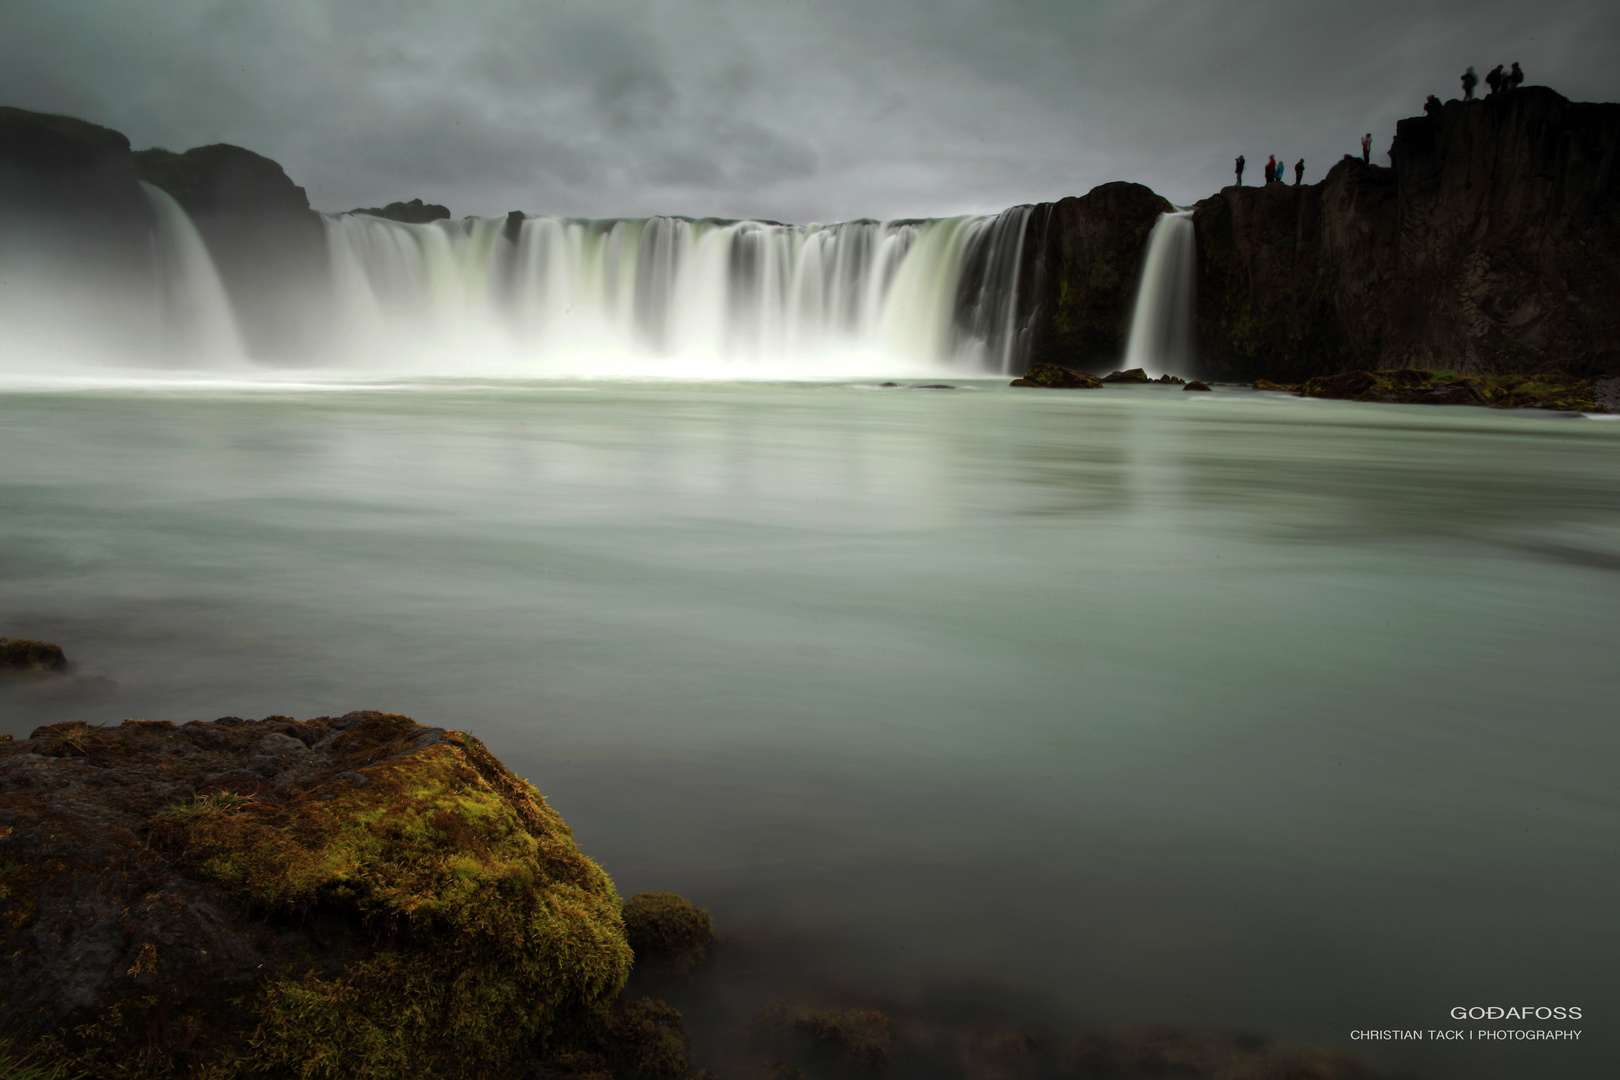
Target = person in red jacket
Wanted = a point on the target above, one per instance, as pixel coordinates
(1366, 149)
(1271, 168)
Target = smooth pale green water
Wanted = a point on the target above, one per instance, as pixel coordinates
(1229, 710)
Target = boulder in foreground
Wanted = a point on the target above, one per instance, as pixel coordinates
(355, 896)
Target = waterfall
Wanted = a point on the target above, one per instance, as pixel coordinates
(195, 321)
(671, 295)
(1161, 338)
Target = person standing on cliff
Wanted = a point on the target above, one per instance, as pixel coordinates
(1299, 171)
(1239, 166)
(1470, 80)
(1493, 79)
(1271, 168)
(1366, 149)
(1432, 106)
(1513, 78)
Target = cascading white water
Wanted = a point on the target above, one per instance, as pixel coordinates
(195, 322)
(1161, 339)
(663, 295)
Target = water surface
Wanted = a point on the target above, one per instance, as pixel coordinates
(1232, 710)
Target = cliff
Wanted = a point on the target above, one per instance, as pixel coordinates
(1084, 255)
(1491, 245)
(68, 184)
(268, 245)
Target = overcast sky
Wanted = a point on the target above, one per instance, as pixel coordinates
(809, 110)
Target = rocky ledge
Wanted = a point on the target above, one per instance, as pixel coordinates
(1411, 386)
(355, 896)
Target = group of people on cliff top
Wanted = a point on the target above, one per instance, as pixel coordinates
(1274, 170)
(1498, 80)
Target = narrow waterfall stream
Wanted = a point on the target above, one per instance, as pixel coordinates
(1161, 339)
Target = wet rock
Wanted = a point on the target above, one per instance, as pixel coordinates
(1196, 385)
(1267, 384)
(22, 656)
(415, 212)
(1134, 375)
(667, 929)
(932, 386)
(1346, 384)
(1170, 380)
(646, 1039)
(407, 905)
(1057, 377)
(858, 1039)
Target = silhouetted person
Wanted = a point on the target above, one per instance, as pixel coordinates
(1470, 80)
(1432, 106)
(1366, 149)
(1271, 168)
(1494, 78)
(1513, 78)
(1299, 171)
(1239, 166)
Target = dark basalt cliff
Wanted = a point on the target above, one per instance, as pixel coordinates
(1491, 245)
(72, 183)
(269, 246)
(1084, 258)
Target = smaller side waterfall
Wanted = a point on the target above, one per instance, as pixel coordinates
(1161, 338)
(197, 322)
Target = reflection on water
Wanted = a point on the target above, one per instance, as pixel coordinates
(1221, 710)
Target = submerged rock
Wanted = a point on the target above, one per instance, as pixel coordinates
(666, 928)
(1134, 375)
(1196, 385)
(1171, 380)
(354, 896)
(20, 655)
(1057, 377)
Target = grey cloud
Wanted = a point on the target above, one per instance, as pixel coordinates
(809, 109)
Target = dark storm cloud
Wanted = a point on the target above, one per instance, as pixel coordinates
(810, 109)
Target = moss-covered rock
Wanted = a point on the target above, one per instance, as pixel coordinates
(646, 1040)
(356, 897)
(1057, 377)
(1196, 385)
(20, 655)
(667, 929)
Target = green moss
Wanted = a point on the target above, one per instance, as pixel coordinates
(647, 1040)
(664, 925)
(478, 934)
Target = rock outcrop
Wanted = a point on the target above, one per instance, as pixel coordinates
(415, 212)
(22, 656)
(1491, 245)
(355, 896)
(1057, 377)
(268, 245)
(1084, 260)
(68, 186)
